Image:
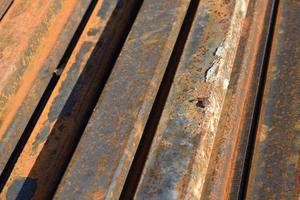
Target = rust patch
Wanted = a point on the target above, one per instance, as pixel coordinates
(112, 135)
(277, 146)
(222, 180)
(190, 118)
(34, 37)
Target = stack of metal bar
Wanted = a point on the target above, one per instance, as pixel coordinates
(149, 99)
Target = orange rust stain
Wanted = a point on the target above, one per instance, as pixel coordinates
(15, 29)
(93, 22)
(100, 194)
(255, 34)
(27, 159)
(43, 52)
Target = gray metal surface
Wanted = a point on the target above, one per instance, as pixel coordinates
(103, 157)
(4, 6)
(177, 164)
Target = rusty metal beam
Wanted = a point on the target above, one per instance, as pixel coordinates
(177, 164)
(57, 131)
(4, 5)
(34, 38)
(224, 176)
(200, 101)
(140, 157)
(275, 162)
(103, 157)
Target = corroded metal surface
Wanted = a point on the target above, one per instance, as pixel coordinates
(225, 127)
(224, 174)
(34, 37)
(101, 161)
(4, 5)
(276, 158)
(32, 168)
(177, 164)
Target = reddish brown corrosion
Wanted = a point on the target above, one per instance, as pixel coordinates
(48, 135)
(211, 85)
(177, 164)
(107, 147)
(34, 37)
(275, 164)
(223, 179)
(39, 135)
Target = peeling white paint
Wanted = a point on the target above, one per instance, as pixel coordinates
(225, 84)
(220, 51)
